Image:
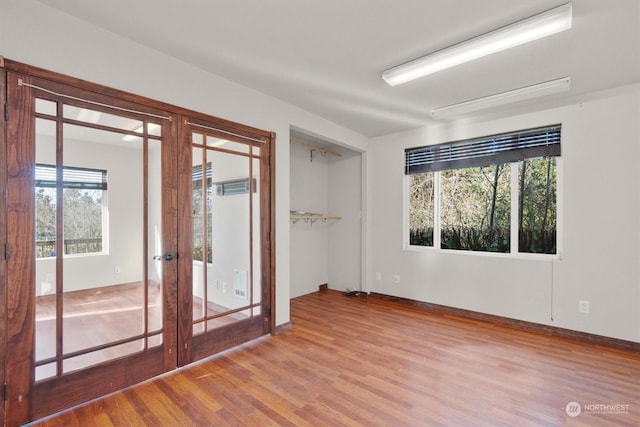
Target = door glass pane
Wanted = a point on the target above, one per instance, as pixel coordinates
(154, 236)
(44, 106)
(228, 279)
(101, 118)
(103, 292)
(201, 197)
(45, 246)
(222, 272)
(154, 129)
(213, 141)
(256, 296)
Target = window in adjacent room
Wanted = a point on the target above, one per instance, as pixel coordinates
(473, 194)
(84, 206)
(202, 188)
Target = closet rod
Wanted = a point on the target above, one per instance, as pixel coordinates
(316, 148)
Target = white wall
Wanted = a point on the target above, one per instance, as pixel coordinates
(309, 192)
(38, 35)
(345, 236)
(600, 232)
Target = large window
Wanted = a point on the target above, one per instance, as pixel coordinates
(84, 196)
(473, 194)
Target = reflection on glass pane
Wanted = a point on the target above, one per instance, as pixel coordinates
(101, 118)
(201, 189)
(228, 279)
(223, 278)
(154, 341)
(45, 141)
(198, 328)
(227, 145)
(154, 129)
(74, 363)
(45, 247)
(256, 223)
(228, 319)
(212, 141)
(44, 106)
(154, 307)
(154, 233)
(45, 371)
(45, 333)
(103, 291)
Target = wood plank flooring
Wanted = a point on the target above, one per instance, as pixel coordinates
(358, 361)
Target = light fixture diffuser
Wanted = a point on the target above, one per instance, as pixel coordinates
(544, 24)
(523, 93)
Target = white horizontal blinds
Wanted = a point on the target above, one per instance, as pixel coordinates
(196, 176)
(485, 151)
(72, 177)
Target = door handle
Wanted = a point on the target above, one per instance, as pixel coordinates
(168, 257)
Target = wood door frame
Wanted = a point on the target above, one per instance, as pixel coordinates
(17, 409)
(3, 233)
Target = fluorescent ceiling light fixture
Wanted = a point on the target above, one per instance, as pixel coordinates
(527, 92)
(533, 28)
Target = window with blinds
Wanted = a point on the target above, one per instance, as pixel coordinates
(72, 177)
(485, 151)
(460, 193)
(83, 203)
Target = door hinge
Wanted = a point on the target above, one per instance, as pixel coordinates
(6, 251)
(6, 111)
(5, 391)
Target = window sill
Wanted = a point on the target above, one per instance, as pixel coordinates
(515, 256)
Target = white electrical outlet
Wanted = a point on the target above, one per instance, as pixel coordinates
(396, 278)
(584, 307)
(378, 275)
(116, 269)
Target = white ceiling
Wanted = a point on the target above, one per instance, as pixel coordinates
(327, 56)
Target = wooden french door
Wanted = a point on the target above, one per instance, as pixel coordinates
(92, 237)
(226, 261)
(138, 240)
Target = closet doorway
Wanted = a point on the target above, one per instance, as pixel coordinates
(130, 250)
(327, 221)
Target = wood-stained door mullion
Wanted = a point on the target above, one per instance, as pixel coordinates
(251, 189)
(205, 234)
(59, 238)
(145, 232)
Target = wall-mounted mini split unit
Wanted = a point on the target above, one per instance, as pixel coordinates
(235, 186)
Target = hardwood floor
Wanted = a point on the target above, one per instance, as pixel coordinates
(359, 361)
